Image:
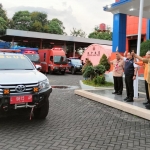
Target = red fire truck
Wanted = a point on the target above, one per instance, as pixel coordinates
(53, 60)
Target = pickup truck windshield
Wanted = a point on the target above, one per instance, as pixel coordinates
(60, 60)
(34, 57)
(15, 62)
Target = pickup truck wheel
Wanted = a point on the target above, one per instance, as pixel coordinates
(42, 112)
(73, 71)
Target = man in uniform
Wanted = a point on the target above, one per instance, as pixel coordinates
(130, 70)
(146, 63)
(118, 65)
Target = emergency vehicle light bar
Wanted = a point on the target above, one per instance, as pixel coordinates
(10, 50)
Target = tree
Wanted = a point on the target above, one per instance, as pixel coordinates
(22, 20)
(3, 13)
(101, 35)
(40, 17)
(3, 26)
(104, 62)
(78, 33)
(56, 26)
(145, 46)
(37, 26)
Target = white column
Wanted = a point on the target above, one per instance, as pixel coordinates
(138, 45)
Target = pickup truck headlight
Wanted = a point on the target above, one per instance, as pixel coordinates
(44, 84)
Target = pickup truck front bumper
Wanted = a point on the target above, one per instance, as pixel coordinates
(38, 100)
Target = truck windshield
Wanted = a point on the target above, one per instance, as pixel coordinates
(60, 60)
(76, 61)
(34, 57)
(15, 62)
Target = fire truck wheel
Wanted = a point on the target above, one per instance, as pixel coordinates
(42, 112)
(72, 70)
(63, 72)
(49, 71)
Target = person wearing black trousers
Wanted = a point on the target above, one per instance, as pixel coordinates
(130, 71)
(118, 65)
(146, 69)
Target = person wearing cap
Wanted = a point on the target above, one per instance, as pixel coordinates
(146, 63)
(118, 65)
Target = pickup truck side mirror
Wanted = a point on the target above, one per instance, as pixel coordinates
(38, 67)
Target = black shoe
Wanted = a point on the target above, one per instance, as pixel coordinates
(126, 98)
(129, 100)
(119, 93)
(147, 106)
(145, 103)
(114, 92)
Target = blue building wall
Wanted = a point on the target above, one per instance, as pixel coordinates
(119, 32)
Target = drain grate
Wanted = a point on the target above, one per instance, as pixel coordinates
(64, 87)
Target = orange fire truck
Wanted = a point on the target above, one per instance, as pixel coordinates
(53, 60)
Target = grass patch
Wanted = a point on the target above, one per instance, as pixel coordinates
(91, 83)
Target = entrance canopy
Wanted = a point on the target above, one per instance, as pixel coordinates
(129, 7)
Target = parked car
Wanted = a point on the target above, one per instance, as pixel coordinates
(22, 85)
(74, 65)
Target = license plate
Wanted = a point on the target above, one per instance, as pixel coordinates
(20, 99)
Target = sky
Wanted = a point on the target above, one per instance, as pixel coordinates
(79, 14)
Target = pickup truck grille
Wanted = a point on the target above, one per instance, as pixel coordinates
(28, 88)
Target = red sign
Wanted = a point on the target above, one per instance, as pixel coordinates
(20, 99)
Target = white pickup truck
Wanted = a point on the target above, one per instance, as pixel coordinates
(22, 85)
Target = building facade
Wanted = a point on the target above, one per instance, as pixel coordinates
(132, 31)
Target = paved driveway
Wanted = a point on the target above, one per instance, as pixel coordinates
(74, 123)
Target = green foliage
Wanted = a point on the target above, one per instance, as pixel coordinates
(101, 35)
(78, 33)
(3, 20)
(3, 26)
(3, 13)
(89, 72)
(99, 69)
(99, 80)
(104, 62)
(39, 17)
(37, 26)
(91, 83)
(22, 20)
(92, 72)
(56, 27)
(145, 46)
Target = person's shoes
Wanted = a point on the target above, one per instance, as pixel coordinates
(114, 92)
(126, 98)
(129, 100)
(145, 103)
(147, 106)
(119, 93)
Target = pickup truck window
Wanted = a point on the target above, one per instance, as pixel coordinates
(15, 62)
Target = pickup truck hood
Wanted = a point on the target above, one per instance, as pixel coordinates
(21, 76)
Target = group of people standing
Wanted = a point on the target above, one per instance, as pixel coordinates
(129, 66)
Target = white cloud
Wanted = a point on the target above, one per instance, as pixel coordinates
(84, 14)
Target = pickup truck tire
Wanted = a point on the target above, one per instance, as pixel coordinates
(42, 112)
(73, 71)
